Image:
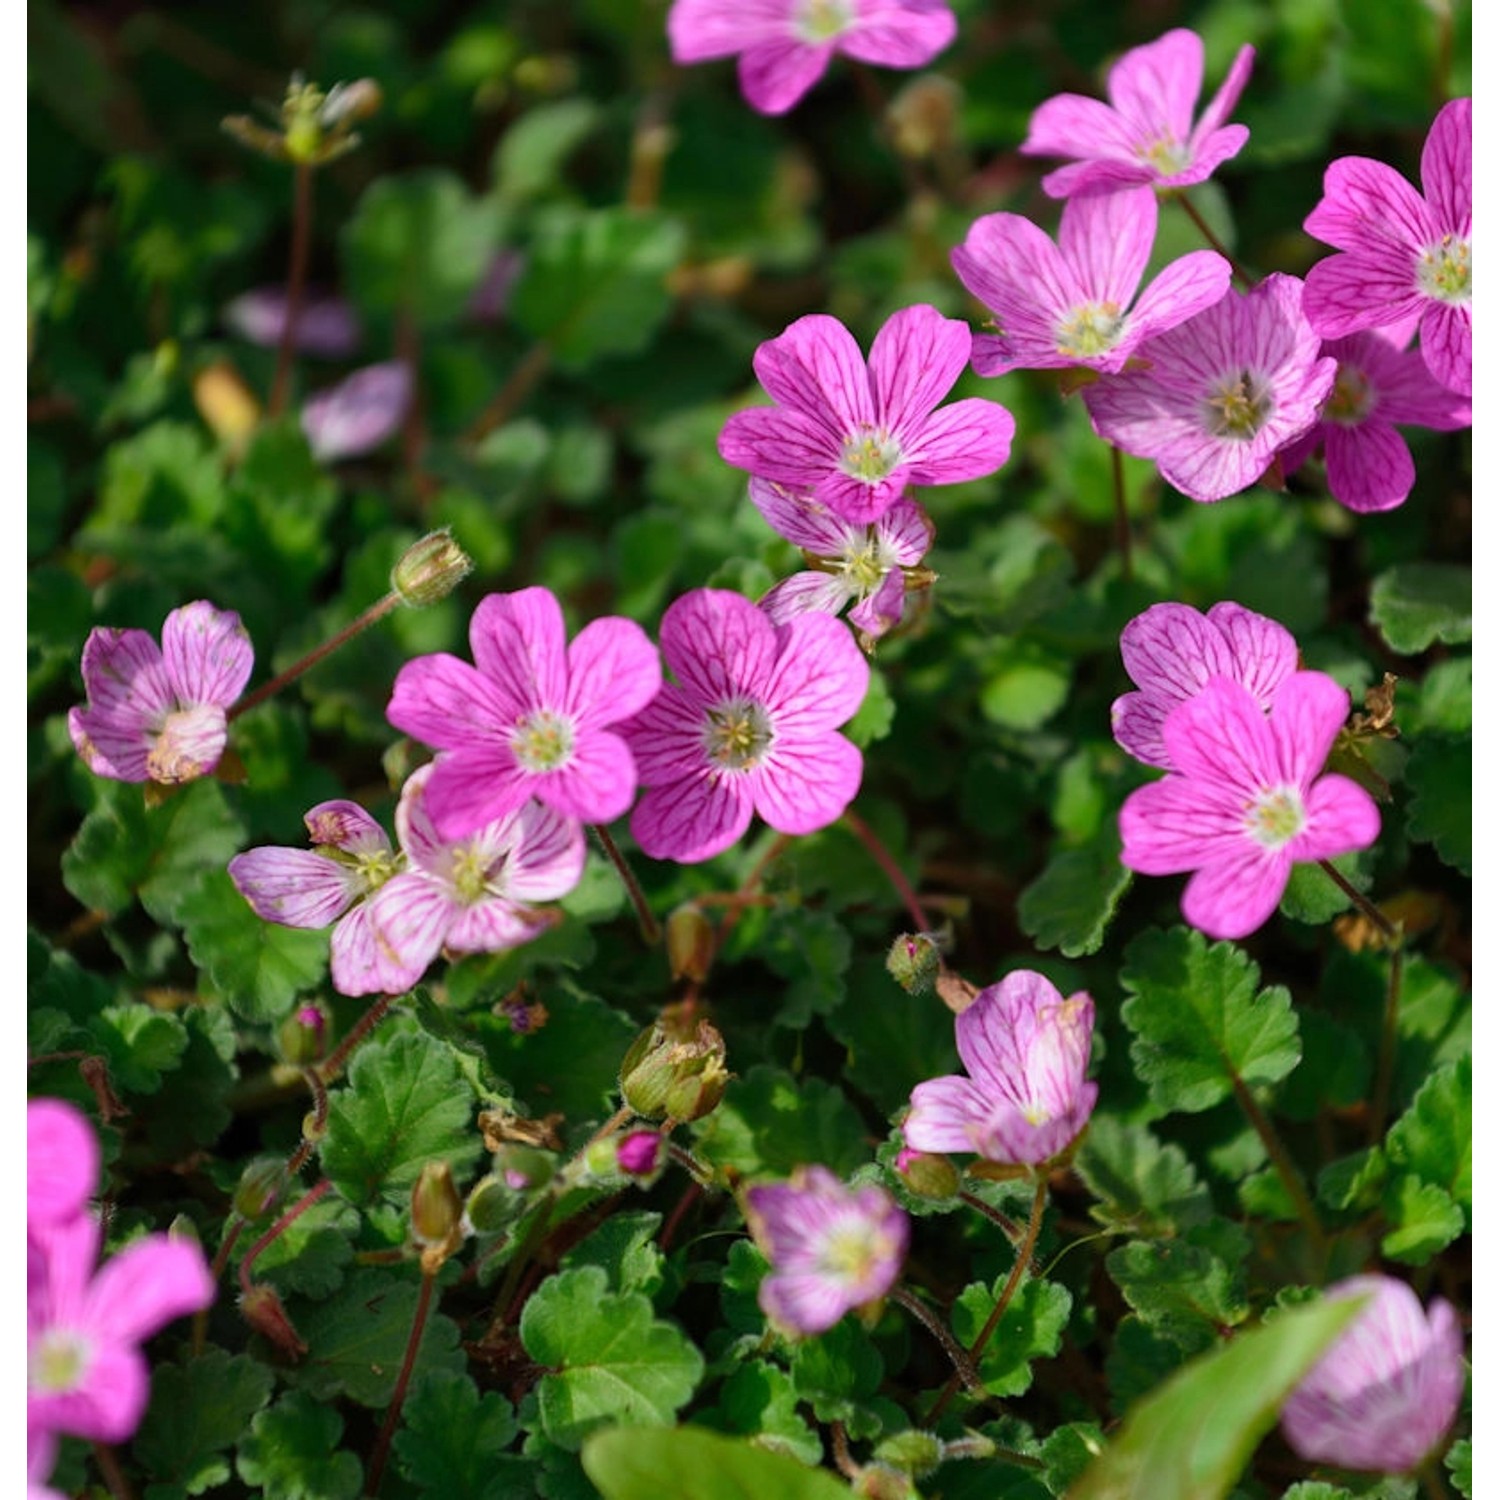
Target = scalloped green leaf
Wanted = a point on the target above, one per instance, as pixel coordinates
(1435, 1137)
(759, 1400)
(1440, 775)
(1141, 1183)
(768, 1123)
(452, 1440)
(624, 1248)
(1069, 905)
(690, 1463)
(291, 1453)
(1417, 603)
(1423, 1218)
(199, 1409)
(1030, 1328)
(1181, 1290)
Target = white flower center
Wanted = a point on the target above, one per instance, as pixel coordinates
(820, 21)
(1238, 407)
(1445, 271)
(737, 734)
(865, 563)
(58, 1362)
(473, 877)
(1350, 400)
(870, 455)
(1167, 154)
(851, 1252)
(1089, 329)
(542, 741)
(1276, 817)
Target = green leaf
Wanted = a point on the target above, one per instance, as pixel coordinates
(837, 1371)
(595, 281)
(1198, 1021)
(1434, 1138)
(406, 1105)
(1069, 905)
(309, 1256)
(811, 950)
(1140, 1183)
(1460, 1466)
(452, 1439)
(1191, 1438)
(140, 1045)
(530, 156)
(1181, 1290)
(1417, 603)
(689, 1463)
(1440, 775)
(624, 1248)
(1446, 705)
(290, 1453)
(1068, 1451)
(1312, 897)
(610, 1360)
(876, 713)
(357, 1339)
(1353, 1183)
(1424, 1220)
(1024, 687)
(1030, 1328)
(760, 1401)
(199, 1408)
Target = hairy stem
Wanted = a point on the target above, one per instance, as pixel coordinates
(1008, 1226)
(650, 927)
(382, 1448)
(313, 1195)
(1286, 1168)
(1367, 908)
(232, 1231)
(296, 277)
(893, 872)
(1385, 1068)
(114, 1475)
(333, 1064)
(513, 392)
(962, 1364)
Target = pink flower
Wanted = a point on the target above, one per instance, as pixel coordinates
(1383, 1396)
(1069, 303)
(855, 437)
(1245, 800)
(868, 563)
(469, 895)
(62, 1162)
(1145, 134)
(326, 325)
(350, 860)
(749, 726)
(1404, 254)
(1377, 385)
(1219, 395)
(784, 46)
(639, 1153)
(1171, 651)
(157, 713)
(1025, 1100)
(532, 717)
(359, 413)
(830, 1247)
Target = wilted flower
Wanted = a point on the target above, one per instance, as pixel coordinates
(359, 413)
(1146, 132)
(784, 46)
(664, 1078)
(854, 436)
(1171, 651)
(1025, 1100)
(1246, 800)
(1384, 1394)
(326, 324)
(749, 726)
(831, 1247)
(157, 713)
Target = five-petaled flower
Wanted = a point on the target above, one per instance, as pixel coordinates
(831, 1247)
(1025, 1100)
(1386, 1391)
(852, 436)
(533, 717)
(785, 46)
(1069, 303)
(1403, 254)
(1146, 133)
(1245, 799)
(749, 726)
(157, 713)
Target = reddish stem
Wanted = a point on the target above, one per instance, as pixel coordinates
(381, 1451)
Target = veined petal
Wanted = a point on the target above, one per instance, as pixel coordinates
(142, 1288)
(883, 609)
(802, 520)
(667, 738)
(1061, 125)
(614, 671)
(409, 917)
(1376, 287)
(1263, 653)
(1221, 738)
(946, 1115)
(1306, 716)
(718, 644)
(361, 966)
(125, 679)
(547, 859)
(1448, 346)
(1448, 166)
(1370, 467)
(345, 825)
(693, 819)
(1217, 110)
(1174, 825)
(780, 444)
(445, 702)
(776, 73)
(1341, 817)
(914, 361)
(823, 593)
(490, 926)
(804, 785)
(1106, 238)
(820, 678)
(208, 654)
(1232, 897)
(908, 34)
(520, 644)
(295, 887)
(111, 747)
(907, 530)
(1170, 651)
(467, 789)
(1156, 86)
(964, 440)
(815, 368)
(1365, 201)
(1181, 290)
(598, 783)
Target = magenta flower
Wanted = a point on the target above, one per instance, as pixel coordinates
(469, 895)
(1377, 386)
(1145, 134)
(326, 325)
(351, 858)
(1069, 303)
(875, 564)
(532, 717)
(1170, 652)
(1025, 1100)
(639, 1153)
(1217, 396)
(1383, 1396)
(1245, 800)
(1404, 253)
(359, 413)
(749, 726)
(784, 46)
(830, 1247)
(157, 713)
(62, 1162)
(855, 437)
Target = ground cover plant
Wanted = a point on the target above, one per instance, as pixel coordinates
(750, 750)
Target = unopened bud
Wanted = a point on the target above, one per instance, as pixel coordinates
(491, 1206)
(927, 1174)
(923, 116)
(914, 961)
(259, 1187)
(877, 1482)
(431, 569)
(665, 1080)
(303, 1036)
(524, 1168)
(912, 1452)
(690, 943)
(640, 1153)
(436, 1208)
(183, 1231)
(265, 1314)
(601, 1157)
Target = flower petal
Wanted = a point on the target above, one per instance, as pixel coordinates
(776, 73)
(946, 1114)
(208, 654)
(693, 819)
(800, 519)
(62, 1161)
(1341, 817)
(719, 645)
(964, 440)
(915, 359)
(295, 887)
(520, 644)
(1231, 898)
(805, 785)
(614, 671)
(145, 1286)
(820, 678)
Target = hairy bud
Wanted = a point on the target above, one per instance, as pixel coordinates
(926, 1174)
(265, 1314)
(914, 961)
(915, 1453)
(436, 1208)
(690, 942)
(259, 1187)
(303, 1036)
(665, 1080)
(431, 569)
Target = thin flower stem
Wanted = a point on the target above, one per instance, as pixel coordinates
(376, 611)
(232, 1232)
(1286, 1168)
(882, 857)
(310, 1138)
(690, 1164)
(513, 1272)
(692, 1193)
(1367, 908)
(1008, 1226)
(650, 927)
(114, 1475)
(1122, 515)
(296, 276)
(382, 1448)
(743, 897)
(1241, 275)
(842, 1459)
(515, 390)
(333, 1064)
(955, 1351)
(1023, 1260)
(1385, 1068)
(313, 1195)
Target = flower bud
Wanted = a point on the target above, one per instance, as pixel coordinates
(348, 103)
(640, 1153)
(914, 961)
(524, 1168)
(912, 1452)
(431, 569)
(877, 1482)
(265, 1314)
(302, 1037)
(436, 1207)
(259, 1187)
(927, 1174)
(182, 1230)
(665, 1080)
(924, 115)
(601, 1157)
(691, 942)
(491, 1206)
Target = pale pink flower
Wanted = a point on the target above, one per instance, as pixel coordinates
(785, 46)
(1070, 303)
(854, 436)
(471, 895)
(1170, 652)
(831, 1247)
(874, 564)
(1378, 385)
(1404, 253)
(1025, 1100)
(359, 413)
(1385, 1393)
(157, 713)
(1146, 133)
(1246, 800)
(326, 325)
(1218, 395)
(533, 717)
(749, 726)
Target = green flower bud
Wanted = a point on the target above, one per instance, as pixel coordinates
(912, 1452)
(430, 569)
(259, 1187)
(491, 1206)
(665, 1080)
(691, 941)
(303, 1036)
(524, 1168)
(914, 961)
(927, 1174)
(436, 1208)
